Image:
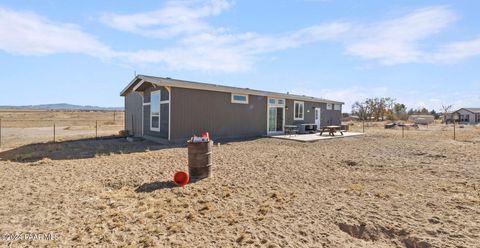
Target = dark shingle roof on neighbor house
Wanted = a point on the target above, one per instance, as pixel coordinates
(165, 81)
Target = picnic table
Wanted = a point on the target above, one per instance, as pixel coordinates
(291, 129)
(331, 130)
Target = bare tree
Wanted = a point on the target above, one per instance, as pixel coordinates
(374, 108)
(360, 109)
(446, 109)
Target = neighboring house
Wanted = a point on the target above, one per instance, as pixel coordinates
(449, 117)
(171, 111)
(468, 115)
(351, 118)
(422, 119)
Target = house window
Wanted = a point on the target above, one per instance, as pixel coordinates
(329, 106)
(155, 111)
(237, 98)
(274, 101)
(337, 107)
(298, 110)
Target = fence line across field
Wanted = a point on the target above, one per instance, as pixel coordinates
(365, 127)
(57, 120)
(54, 125)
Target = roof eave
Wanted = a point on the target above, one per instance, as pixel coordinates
(160, 81)
(125, 90)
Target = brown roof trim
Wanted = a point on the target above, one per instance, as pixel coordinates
(215, 87)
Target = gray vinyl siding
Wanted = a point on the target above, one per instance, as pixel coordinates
(133, 113)
(197, 111)
(327, 117)
(164, 114)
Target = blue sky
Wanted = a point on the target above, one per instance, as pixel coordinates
(423, 53)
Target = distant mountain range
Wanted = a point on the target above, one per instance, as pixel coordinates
(62, 106)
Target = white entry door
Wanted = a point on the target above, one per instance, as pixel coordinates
(317, 117)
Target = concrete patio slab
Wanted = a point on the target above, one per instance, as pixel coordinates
(315, 136)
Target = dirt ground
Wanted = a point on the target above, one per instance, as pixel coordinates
(378, 190)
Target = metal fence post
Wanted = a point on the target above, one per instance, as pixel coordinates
(113, 116)
(96, 129)
(454, 134)
(0, 132)
(54, 132)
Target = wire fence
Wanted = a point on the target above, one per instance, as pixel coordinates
(438, 131)
(17, 132)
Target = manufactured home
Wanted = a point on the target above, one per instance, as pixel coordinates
(468, 115)
(170, 111)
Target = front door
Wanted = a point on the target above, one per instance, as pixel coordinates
(276, 116)
(317, 117)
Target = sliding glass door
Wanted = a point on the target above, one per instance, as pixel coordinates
(276, 114)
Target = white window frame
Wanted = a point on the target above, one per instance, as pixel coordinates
(295, 111)
(337, 107)
(329, 106)
(159, 110)
(241, 102)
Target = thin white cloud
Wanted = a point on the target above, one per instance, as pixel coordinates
(457, 51)
(324, 32)
(213, 59)
(201, 46)
(398, 40)
(174, 19)
(29, 34)
(231, 52)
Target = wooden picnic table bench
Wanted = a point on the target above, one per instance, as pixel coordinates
(331, 130)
